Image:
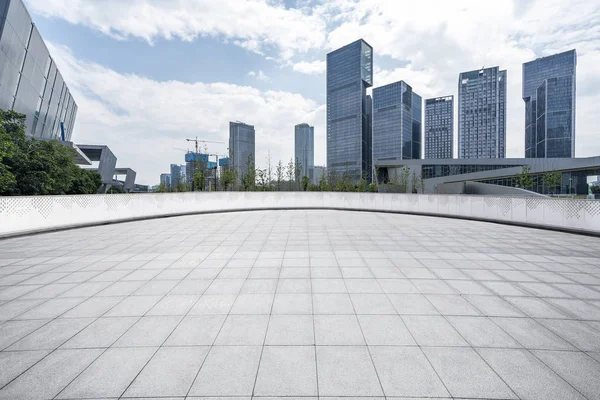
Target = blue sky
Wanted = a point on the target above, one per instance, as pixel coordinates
(146, 74)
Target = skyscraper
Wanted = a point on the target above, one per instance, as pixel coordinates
(304, 149)
(439, 127)
(241, 147)
(396, 122)
(349, 74)
(30, 83)
(176, 175)
(482, 113)
(549, 96)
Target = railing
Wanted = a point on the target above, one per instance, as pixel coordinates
(21, 215)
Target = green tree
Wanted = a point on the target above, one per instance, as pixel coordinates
(361, 185)
(199, 180)
(162, 188)
(279, 171)
(29, 166)
(552, 180)
(313, 188)
(249, 178)
(324, 185)
(228, 178)
(524, 179)
(373, 188)
(290, 172)
(298, 173)
(404, 175)
(305, 181)
(261, 175)
(269, 172)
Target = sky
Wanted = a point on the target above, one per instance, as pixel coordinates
(147, 74)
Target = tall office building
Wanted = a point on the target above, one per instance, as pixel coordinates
(349, 74)
(165, 180)
(30, 83)
(304, 148)
(482, 113)
(396, 122)
(549, 95)
(241, 146)
(439, 127)
(176, 175)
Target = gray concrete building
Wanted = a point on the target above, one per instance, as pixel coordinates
(439, 127)
(549, 93)
(349, 74)
(304, 148)
(30, 82)
(482, 113)
(241, 147)
(502, 172)
(397, 124)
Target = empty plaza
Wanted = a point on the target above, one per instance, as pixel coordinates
(300, 303)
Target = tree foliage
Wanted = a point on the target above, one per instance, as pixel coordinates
(524, 179)
(552, 180)
(305, 181)
(29, 166)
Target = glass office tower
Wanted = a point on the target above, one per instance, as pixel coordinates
(396, 122)
(304, 149)
(439, 127)
(549, 96)
(349, 74)
(241, 146)
(482, 113)
(30, 83)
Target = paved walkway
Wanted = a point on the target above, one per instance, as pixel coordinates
(300, 303)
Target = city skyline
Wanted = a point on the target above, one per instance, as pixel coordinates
(155, 67)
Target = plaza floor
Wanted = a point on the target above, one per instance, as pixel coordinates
(300, 304)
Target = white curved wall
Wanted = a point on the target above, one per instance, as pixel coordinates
(20, 215)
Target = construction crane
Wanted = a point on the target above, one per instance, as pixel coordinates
(196, 141)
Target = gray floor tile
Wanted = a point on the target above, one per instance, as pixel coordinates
(148, 331)
(581, 371)
(14, 363)
(213, 304)
(101, 333)
(385, 330)
(493, 306)
(531, 334)
(404, 371)
(465, 374)
(579, 308)
(338, 330)
(190, 287)
(452, 305)
(248, 330)
(259, 286)
(292, 303)
(51, 335)
(47, 378)
(536, 308)
(93, 307)
(196, 330)
(433, 331)
(287, 371)
(289, 330)
(363, 286)
(330, 285)
(578, 333)
(482, 332)
(174, 305)
(133, 306)
(527, 376)
(51, 308)
(336, 303)
(12, 331)
(228, 371)
(253, 304)
(122, 288)
(412, 304)
(170, 372)
(110, 374)
(372, 304)
(346, 371)
(397, 286)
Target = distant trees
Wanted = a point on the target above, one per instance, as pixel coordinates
(552, 180)
(30, 166)
(524, 178)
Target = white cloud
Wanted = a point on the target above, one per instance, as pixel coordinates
(142, 120)
(260, 75)
(312, 68)
(252, 24)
